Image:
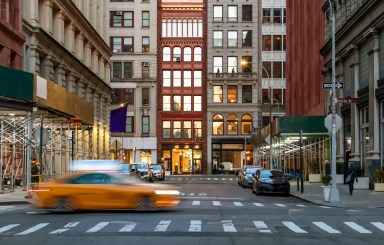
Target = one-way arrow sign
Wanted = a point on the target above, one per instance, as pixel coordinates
(337, 85)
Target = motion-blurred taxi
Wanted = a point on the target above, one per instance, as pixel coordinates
(102, 191)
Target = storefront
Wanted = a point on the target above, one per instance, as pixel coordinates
(182, 159)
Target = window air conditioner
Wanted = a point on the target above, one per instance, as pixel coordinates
(145, 64)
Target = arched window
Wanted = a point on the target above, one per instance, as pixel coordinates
(177, 54)
(190, 28)
(232, 122)
(200, 28)
(169, 28)
(179, 27)
(166, 54)
(185, 28)
(174, 28)
(218, 125)
(164, 28)
(246, 124)
(197, 54)
(195, 28)
(187, 54)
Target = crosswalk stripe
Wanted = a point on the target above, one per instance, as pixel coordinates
(326, 227)
(8, 227)
(33, 229)
(163, 225)
(230, 179)
(379, 225)
(280, 205)
(195, 226)
(216, 203)
(97, 227)
(357, 227)
(196, 203)
(208, 178)
(238, 204)
(71, 224)
(293, 227)
(58, 231)
(301, 205)
(262, 226)
(324, 207)
(228, 226)
(258, 204)
(128, 227)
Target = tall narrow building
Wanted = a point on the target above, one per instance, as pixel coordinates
(181, 100)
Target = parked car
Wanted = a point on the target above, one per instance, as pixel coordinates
(102, 191)
(244, 178)
(270, 181)
(158, 171)
(143, 171)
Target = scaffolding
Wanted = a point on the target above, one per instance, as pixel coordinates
(53, 141)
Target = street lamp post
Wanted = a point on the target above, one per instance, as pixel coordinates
(334, 195)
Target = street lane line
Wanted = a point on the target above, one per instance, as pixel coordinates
(8, 227)
(280, 205)
(326, 227)
(324, 207)
(195, 226)
(196, 203)
(379, 225)
(228, 226)
(97, 227)
(258, 204)
(293, 227)
(262, 226)
(33, 229)
(301, 205)
(238, 204)
(357, 227)
(163, 225)
(216, 203)
(128, 227)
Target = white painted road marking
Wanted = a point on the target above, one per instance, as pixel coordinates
(195, 226)
(8, 227)
(326, 227)
(238, 204)
(163, 225)
(379, 225)
(216, 203)
(33, 229)
(258, 204)
(357, 227)
(97, 227)
(293, 227)
(128, 227)
(196, 203)
(228, 226)
(262, 226)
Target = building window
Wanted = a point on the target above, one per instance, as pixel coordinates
(197, 79)
(232, 122)
(187, 128)
(247, 93)
(246, 63)
(277, 16)
(217, 94)
(176, 129)
(217, 13)
(145, 45)
(128, 71)
(166, 54)
(246, 124)
(166, 78)
(145, 96)
(187, 103)
(277, 43)
(217, 125)
(232, 13)
(129, 124)
(232, 65)
(117, 70)
(197, 54)
(266, 16)
(145, 125)
(166, 129)
(145, 19)
(247, 12)
(217, 38)
(121, 19)
(265, 94)
(247, 38)
(197, 103)
(145, 70)
(232, 38)
(218, 64)
(266, 69)
(187, 78)
(166, 103)
(197, 127)
(122, 44)
(232, 93)
(176, 103)
(176, 78)
(266, 43)
(187, 54)
(176, 54)
(277, 69)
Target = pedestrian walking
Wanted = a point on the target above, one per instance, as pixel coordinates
(351, 178)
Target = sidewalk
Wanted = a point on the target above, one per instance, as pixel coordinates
(313, 193)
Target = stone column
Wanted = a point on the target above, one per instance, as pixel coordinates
(95, 62)
(59, 26)
(88, 93)
(47, 69)
(355, 135)
(101, 68)
(107, 72)
(70, 37)
(71, 82)
(61, 79)
(46, 16)
(32, 7)
(79, 46)
(80, 88)
(88, 54)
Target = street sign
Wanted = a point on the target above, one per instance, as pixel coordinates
(337, 85)
(347, 100)
(328, 122)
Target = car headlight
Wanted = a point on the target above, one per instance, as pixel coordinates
(167, 192)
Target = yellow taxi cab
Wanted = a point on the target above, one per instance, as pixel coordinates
(102, 191)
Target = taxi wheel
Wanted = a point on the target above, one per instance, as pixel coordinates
(146, 203)
(64, 204)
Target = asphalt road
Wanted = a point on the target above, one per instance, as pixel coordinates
(215, 211)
